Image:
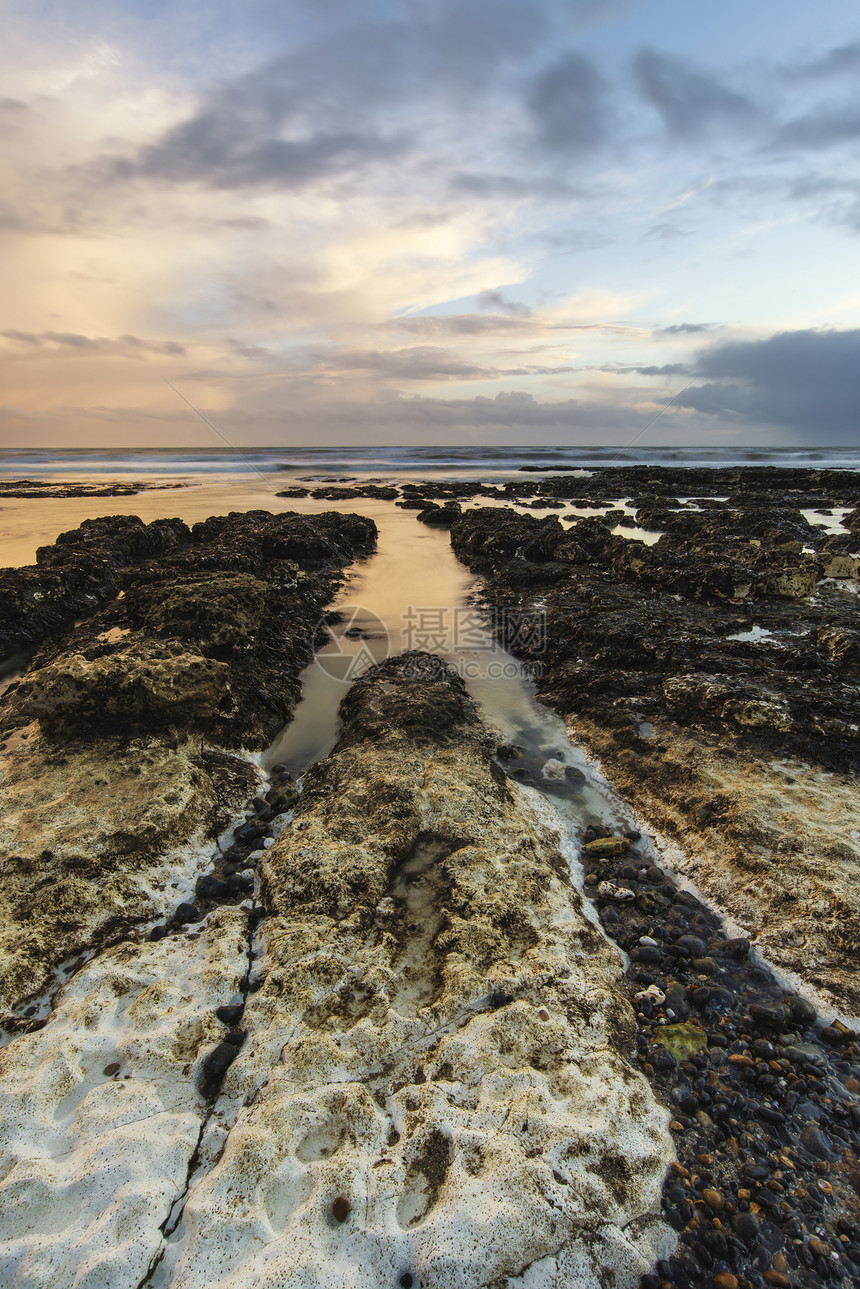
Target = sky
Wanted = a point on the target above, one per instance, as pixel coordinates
(429, 221)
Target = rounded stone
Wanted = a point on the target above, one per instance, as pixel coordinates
(341, 1209)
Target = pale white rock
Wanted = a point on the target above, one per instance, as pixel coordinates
(91, 1163)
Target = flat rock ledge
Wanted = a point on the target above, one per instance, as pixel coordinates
(433, 1083)
(436, 1078)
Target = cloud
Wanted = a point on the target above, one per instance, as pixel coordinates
(75, 341)
(806, 381)
(668, 369)
(836, 62)
(569, 105)
(823, 128)
(499, 303)
(460, 324)
(684, 328)
(329, 104)
(692, 103)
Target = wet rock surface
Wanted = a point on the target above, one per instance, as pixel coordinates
(112, 787)
(715, 675)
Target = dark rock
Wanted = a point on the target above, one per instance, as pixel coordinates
(746, 1225)
(802, 1010)
(158, 932)
(210, 887)
(238, 883)
(341, 1209)
(773, 1016)
(185, 913)
(235, 1037)
(817, 1143)
(695, 947)
(230, 1013)
(215, 1067)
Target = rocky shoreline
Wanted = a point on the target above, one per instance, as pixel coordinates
(371, 1033)
(715, 674)
(121, 738)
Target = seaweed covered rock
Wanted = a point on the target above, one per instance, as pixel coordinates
(146, 684)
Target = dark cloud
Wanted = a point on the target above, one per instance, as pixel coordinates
(836, 62)
(547, 187)
(684, 328)
(805, 381)
(329, 104)
(497, 302)
(691, 102)
(823, 128)
(570, 106)
(215, 150)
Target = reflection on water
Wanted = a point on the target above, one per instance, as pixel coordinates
(419, 593)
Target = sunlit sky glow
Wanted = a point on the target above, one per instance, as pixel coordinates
(435, 221)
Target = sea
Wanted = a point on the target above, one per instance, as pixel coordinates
(395, 463)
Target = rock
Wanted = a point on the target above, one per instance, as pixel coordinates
(185, 913)
(817, 1143)
(215, 1067)
(681, 1040)
(800, 1053)
(346, 1023)
(210, 887)
(609, 891)
(713, 1199)
(773, 1016)
(230, 1013)
(145, 685)
(100, 1109)
(693, 945)
(601, 847)
(738, 948)
(802, 1011)
(88, 834)
(746, 1225)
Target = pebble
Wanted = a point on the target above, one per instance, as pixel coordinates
(186, 913)
(759, 1107)
(210, 887)
(341, 1209)
(230, 1013)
